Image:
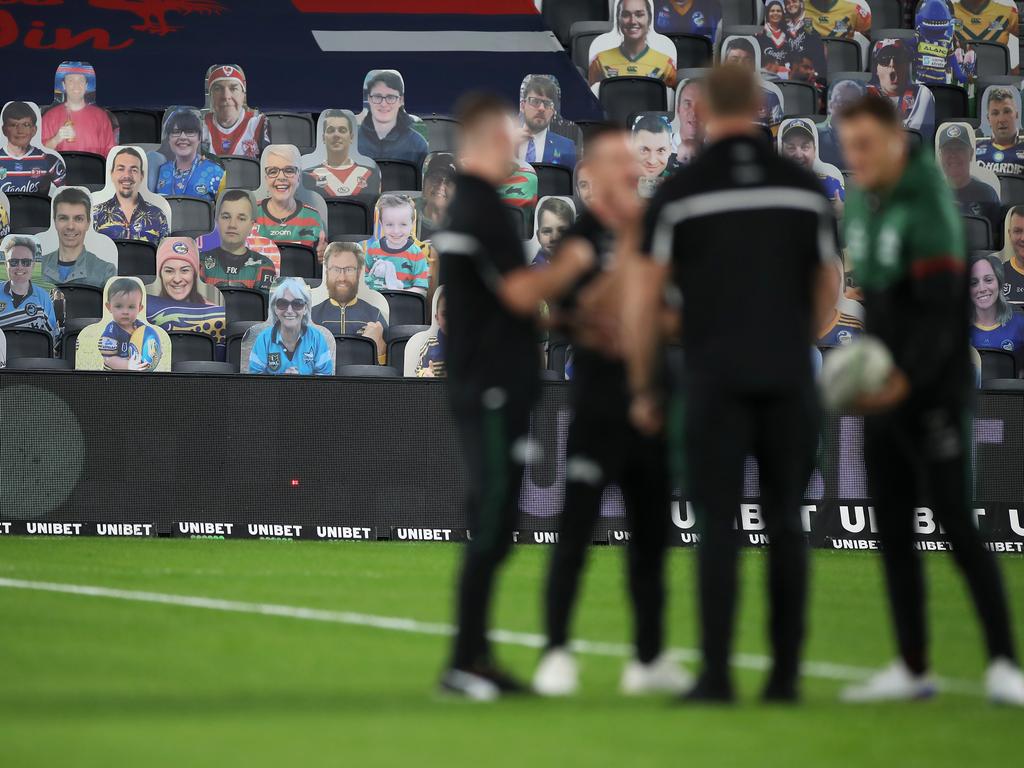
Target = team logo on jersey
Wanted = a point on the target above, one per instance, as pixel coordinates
(3, 173)
(1006, 289)
(844, 337)
(274, 361)
(209, 262)
(307, 357)
(996, 26)
(200, 189)
(998, 157)
(225, 144)
(3, 306)
(32, 309)
(180, 247)
(1007, 345)
(698, 19)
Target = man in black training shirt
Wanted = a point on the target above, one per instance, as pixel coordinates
(603, 447)
(748, 390)
(493, 379)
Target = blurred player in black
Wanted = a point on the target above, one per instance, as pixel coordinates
(493, 378)
(603, 448)
(742, 216)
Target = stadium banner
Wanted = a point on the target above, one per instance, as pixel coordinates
(91, 453)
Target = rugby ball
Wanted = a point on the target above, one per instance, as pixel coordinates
(859, 368)
(144, 348)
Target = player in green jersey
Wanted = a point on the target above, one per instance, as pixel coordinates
(906, 246)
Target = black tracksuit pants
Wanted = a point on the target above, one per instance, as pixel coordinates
(603, 448)
(780, 429)
(930, 443)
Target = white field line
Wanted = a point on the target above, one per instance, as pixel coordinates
(820, 669)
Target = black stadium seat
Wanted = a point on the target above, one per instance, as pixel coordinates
(442, 133)
(1011, 189)
(398, 337)
(85, 169)
(187, 345)
(243, 304)
(739, 12)
(190, 216)
(138, 126)
(241, 172)
(374, 371)
(997, 364)
(292, 128)
(355, 350)
(950, 102)
(842, 55)
(298, 260)
(798, 98)
(886, 13)
(553, 179)
(28, 342)
(993, 59)
(581, 35)
(204, 367)
(692, 50)
(978, 232)
(398, 175)
(622, 96)
(135, 258)
(233, 335)
(559, 15)
(557, 353)
(521, 221)
(348, 214)
(406, 307)
(81, 300)
(39, 364)
(30, 214)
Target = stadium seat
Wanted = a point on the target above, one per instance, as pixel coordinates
(442, 133)
(885, 14)
(1011, 189)
(190, 215)
(373, 371)
(243, 304)
(997, 364)
(298, 260)
(398, 336)
(559, 15)
(739, 12)
(581, 35)
(978, 232)
(860, 77)
(241, 172)
(39, 364)
(292, 128)
(205, 367)
(398, 174)
(30, 214)
(950, 102)
(993, 59)
(914, 137)
(348, 214)
(586, 126)
(842, 55)
(558, 349)
(85, 169)
(692, 50)
(622, 96)
(521, 221)
(798, 98)
(553, 179)
(553, 376)
(188, 345)
(138, 126)
(81, 300)
(406, 307)
(135, 258)
(355, 350)
(233, 339)
(1002, 385)
(69, 340)
(28, 342)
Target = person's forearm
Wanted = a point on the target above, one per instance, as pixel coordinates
(524, 289)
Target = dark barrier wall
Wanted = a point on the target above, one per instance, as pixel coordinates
(240, 456)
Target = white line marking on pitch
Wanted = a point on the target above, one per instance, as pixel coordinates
(820, 669)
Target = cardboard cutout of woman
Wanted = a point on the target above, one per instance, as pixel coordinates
(991, 21)
(790, 52)
(439, 170)
(555, 215)
(179, 300)
(24, 303)
(633, 49)
(120, 210)
(74, 252)
(689, 17)
(425, 351)
(74, 123)
(289, 343)
(234, 255)
(798, 140)
(395, 259)
(25, 165)
(123, 340)
(1001, 149)
(287, 212)
(336, 168)
(994, 322)
(543, 136)
(386, 130)
(892, 77)
(187, 168)
(234, 127)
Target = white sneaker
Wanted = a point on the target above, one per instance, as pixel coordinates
(894, 683)
(1004, 683)
(557, 674)
(663, 675)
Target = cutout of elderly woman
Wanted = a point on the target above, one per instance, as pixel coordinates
(386, 132)
(74, 123)
(291, 344)
(177, 304)
(188, 171)
(994, 324)
(23, 304)
(282, 216)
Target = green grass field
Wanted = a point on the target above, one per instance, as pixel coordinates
(97, 681)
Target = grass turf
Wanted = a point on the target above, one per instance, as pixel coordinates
(100, 682)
